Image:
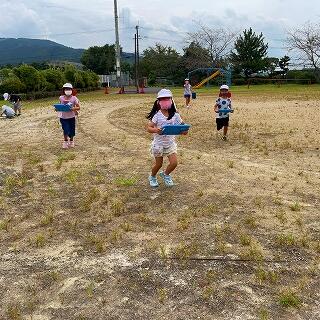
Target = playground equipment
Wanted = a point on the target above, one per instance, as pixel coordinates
(175, 129)
(204, 81)
(212, 73)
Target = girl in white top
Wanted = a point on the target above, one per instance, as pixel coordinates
(163, 113)
(187, 91)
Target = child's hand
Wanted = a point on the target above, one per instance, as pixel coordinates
(158, 130)
(185, 132)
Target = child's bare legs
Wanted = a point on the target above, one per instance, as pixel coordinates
(157, 166)
(187, 101)
(65, 137)
(173, 162)
(225, 130)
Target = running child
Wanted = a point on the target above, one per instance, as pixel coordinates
(223, 103)
(187, 91)
(163, 112)
(68, 118)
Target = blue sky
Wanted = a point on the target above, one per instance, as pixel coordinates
(84, 23)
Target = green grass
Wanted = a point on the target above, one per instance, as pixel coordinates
(128, 182)
(288, 298)
(64, 157)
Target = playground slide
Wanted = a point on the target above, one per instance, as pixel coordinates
(200, 84)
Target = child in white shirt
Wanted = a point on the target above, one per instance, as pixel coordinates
(163, 113)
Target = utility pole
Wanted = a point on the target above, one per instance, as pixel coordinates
(116, 23)
(137, 62)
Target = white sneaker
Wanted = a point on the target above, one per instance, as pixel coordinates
(167, 179)
(153, 181)
(71, 144)
(65, 145)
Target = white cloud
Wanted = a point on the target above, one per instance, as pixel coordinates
(73, 23)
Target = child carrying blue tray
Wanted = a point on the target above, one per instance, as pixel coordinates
(175, 129)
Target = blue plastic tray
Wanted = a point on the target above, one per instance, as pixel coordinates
(175, 129)
(62, 107)
(224, 111)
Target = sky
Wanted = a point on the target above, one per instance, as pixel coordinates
(84, 23)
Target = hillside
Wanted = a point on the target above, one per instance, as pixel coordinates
(15, 51)
(22, 50)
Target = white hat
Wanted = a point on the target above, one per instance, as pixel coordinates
(186, 79)
(6, 96)
(164, 93)
(224, 86)
(68, 85)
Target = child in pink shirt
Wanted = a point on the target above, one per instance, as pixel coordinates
(68, 118)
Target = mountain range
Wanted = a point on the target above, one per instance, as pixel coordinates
(22, 50)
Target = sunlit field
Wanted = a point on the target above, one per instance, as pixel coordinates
(83, 236)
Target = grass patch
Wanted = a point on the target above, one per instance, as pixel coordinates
(295, 206)
(11, 183)
(127, 182)
(288, 298)
(72, 176)
(91, 196)
(64, 157)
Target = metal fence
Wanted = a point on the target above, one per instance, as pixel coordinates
(110, 80)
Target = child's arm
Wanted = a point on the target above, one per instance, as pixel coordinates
(216, 108)
(151, 128)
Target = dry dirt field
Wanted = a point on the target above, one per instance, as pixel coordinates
(83, 236)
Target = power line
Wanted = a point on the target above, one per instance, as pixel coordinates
(162, 39)
(68, 33)
(170, 31)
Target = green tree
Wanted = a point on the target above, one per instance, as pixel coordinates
(55, 77)
(250, 53)
(69, 72)
(161, 61)
(29, 76)
(284, 65)
(12, 84)
(271, 64)
(101, 60)
(195, 56)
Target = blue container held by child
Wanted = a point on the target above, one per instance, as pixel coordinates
(62, 107)
(194, 95)
(175, 129)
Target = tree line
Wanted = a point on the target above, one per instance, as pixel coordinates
(40, 78)
(246, 54)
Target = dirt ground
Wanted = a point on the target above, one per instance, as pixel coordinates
(83, 236)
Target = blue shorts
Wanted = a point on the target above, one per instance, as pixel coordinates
(68, 127)
(187, 95)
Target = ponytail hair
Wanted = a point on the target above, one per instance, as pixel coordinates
(156, 108)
